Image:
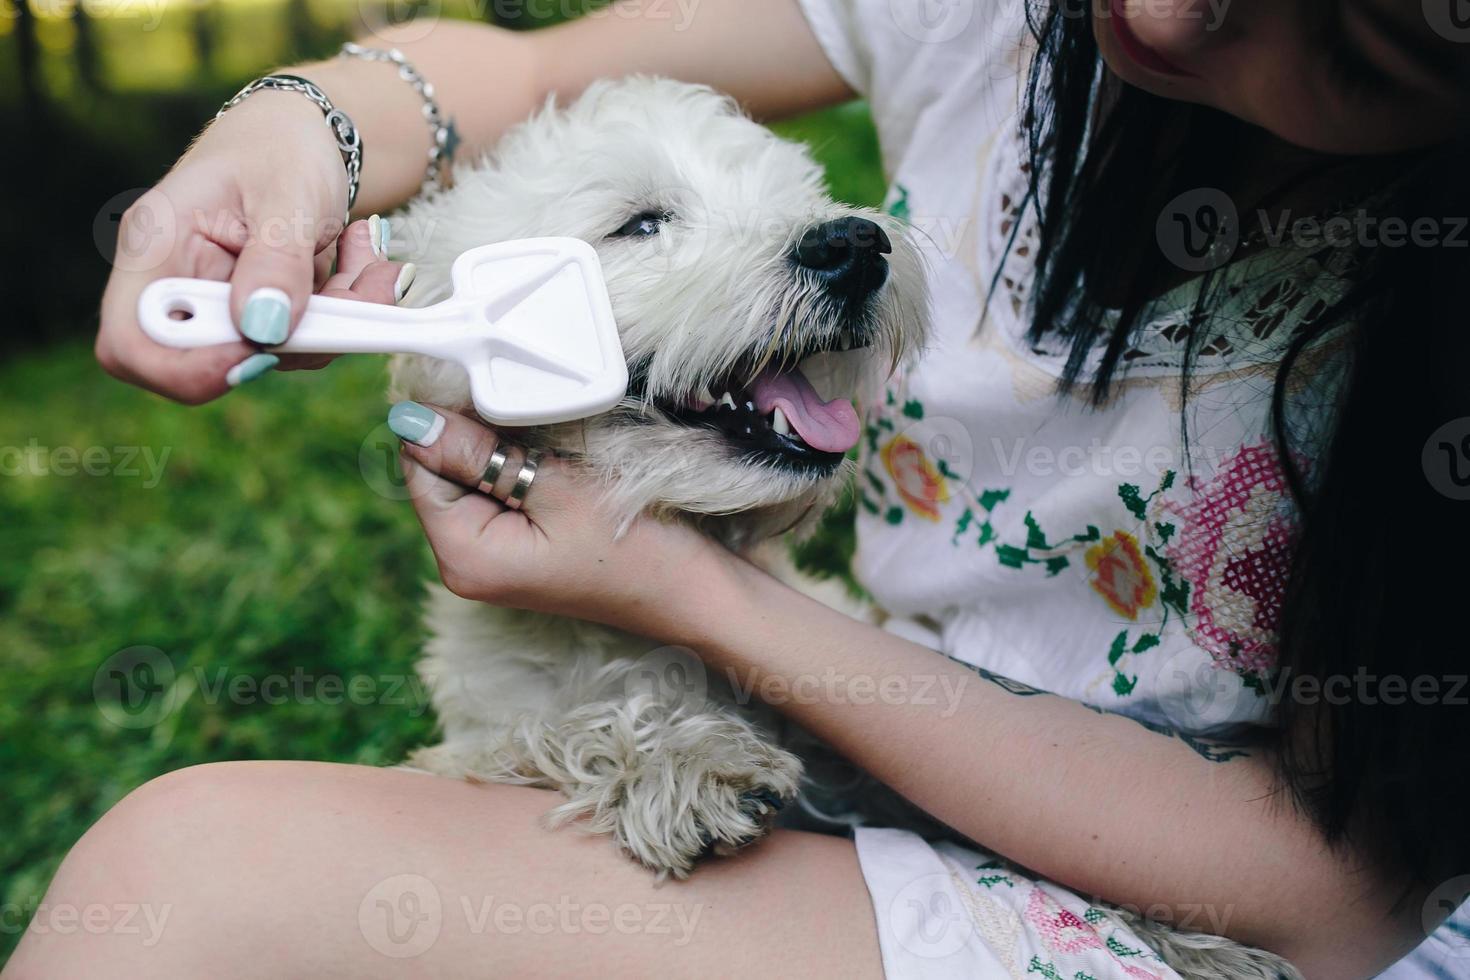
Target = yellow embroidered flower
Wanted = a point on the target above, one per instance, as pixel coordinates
(1120, 575)
(919, 483)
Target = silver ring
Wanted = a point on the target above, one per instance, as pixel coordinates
(517, 495)
(492, 472)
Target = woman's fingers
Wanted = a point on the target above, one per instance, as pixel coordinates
(454, 447)
(273, 273)
(123, 350)
(464, 451)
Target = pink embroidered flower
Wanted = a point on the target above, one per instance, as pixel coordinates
(1234, 545)
(1061, 930)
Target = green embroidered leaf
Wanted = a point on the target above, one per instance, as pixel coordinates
(990, 881)
(1118, 949)
(1146, 642)
(1034, 537)
(1122, 686)
(962, 525)
(894, 515)
(1116, 651)
(990, 498)
(1164, 531)
(888, 398)
(1055, 565)
(987, 534)
(1094, 915)
(1010, 556)
(944, 470)
(1176, 594)
(1133, 500)
(1038, 965)
(913, 409)
(883, 423)
(900, 206)
(868, 504)
(1167, 482)
(1093, 534)
(876, 482)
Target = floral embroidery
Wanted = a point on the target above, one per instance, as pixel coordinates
(997, 877)
(1119, 573)
(1120, 576)
(920, 484)
(1235, 544)
(1062, 930)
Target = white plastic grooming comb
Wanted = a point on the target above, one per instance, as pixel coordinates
(529, 320)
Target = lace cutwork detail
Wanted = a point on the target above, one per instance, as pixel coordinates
(1263, 300)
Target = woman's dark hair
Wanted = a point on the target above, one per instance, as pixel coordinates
(1380, 568)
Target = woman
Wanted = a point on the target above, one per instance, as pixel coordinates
(1145, 467)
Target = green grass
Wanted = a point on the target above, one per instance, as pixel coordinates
(260, 537)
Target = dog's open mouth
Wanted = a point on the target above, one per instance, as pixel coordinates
(777, 416)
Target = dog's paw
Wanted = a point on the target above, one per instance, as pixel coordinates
(670, 786)
(680, 809)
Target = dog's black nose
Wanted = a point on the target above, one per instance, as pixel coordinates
(848, 253)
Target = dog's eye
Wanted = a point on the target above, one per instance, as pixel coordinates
(641, 225)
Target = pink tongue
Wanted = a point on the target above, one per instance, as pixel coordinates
(831, 427)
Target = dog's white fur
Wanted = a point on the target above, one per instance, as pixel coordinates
(644, 744)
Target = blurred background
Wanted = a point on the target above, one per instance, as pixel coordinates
(237, 581)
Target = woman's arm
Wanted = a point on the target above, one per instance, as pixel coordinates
(1185, 831)
(258, 198)
(760, 51)
(1190, 832)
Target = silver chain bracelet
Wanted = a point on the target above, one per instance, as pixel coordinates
(437, 174)
(348, 140)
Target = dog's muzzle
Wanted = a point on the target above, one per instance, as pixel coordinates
(847, 256)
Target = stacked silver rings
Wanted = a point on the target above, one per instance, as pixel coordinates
(524, 478)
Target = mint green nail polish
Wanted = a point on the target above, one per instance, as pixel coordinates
(415, 423)
(267, 316)
(251, 368)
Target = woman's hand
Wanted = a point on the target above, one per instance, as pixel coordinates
(561, 552)
(258, 200)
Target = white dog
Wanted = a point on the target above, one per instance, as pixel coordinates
(728, 266)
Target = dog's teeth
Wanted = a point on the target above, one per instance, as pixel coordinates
(779, 423)
(726, 401)
(750, 406)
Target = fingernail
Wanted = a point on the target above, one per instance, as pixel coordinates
(415, 423)
(378, 236)
(404, 280)
(251, 368)
(267, 316)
